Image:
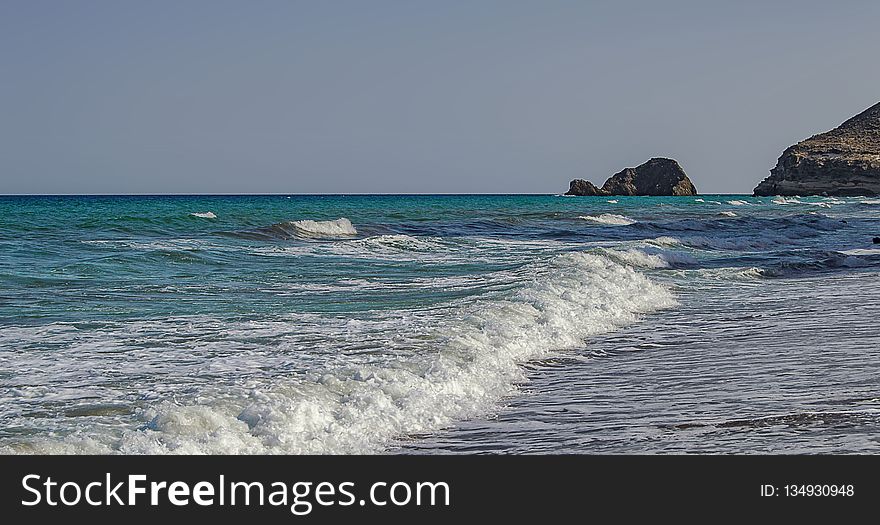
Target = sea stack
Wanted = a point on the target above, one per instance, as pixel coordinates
(842, 162)
(657, 177)
(583, 188)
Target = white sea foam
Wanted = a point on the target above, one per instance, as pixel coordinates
(424, 250)
(738, 203)
(727, 213)
(862, 251)
(336, 228)
(699, 200)
(164, 244)
(785, 200)
(721, 243)
(204, 215)
(609, 219)
(613, 201)
(649, 258)
(792, 200)
(870, 201)
(724, 274)
(469, 361)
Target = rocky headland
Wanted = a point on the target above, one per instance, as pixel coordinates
(842, 162)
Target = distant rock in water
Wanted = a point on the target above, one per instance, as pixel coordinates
(657, 177)
(842, 162)
(583, 188)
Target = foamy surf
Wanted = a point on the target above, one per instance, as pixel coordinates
(336, 228)
(610, 219)
(649, 258)
(204, 215)
(785, 200)
(478, 350)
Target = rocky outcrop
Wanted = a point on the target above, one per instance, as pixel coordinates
(658, 177)
(842, 162)
(583, 188)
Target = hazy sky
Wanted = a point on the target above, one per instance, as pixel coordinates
(416, 96)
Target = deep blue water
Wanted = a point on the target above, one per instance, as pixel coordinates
(483, 323)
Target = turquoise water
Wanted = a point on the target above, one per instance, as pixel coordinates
(345, 324)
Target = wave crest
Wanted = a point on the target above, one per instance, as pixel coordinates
(471, 360)
(611, 219)
(335, 228)
(649, 258)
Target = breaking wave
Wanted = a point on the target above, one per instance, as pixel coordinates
(609, 219)
(303, 229)
(339, 227)
(650, 258)
(470, 360)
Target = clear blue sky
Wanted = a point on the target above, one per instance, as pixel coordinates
(416, 96)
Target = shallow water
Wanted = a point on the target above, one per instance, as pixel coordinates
(421, 324)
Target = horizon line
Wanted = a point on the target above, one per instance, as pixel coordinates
(324, 194)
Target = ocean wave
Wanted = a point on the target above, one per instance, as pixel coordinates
(204, 215)
(487, 281)
(302, 229)
(609, 219)
(337, 228)
(397, 247)
(423, 250)
(785, 200)
(649, 258)
(407, 243)
(823, 261)
(714, 275)
(862, 251)
(738, 203)
(169, 245)
(478, 350)
(727, 214)
(792, 200)
(741, 233)
(745, 244)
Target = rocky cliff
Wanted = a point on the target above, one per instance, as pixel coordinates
(843, 161)
(656, 177)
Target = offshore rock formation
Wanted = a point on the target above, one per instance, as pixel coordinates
(583, 188)
(658, 177)
(842, 162)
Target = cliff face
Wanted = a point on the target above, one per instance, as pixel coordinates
(656, 177)
(843, 161)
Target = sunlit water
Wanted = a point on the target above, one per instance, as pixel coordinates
(423, 324)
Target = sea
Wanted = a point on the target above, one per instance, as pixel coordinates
(426, 324)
